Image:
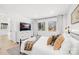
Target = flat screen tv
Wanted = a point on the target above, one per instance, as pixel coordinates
(25, 26)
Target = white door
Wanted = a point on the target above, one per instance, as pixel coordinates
(12, 33)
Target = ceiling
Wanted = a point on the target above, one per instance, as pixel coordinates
(35, 10)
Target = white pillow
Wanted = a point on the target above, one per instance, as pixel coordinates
(75, 46)
(70, 45)
(23, 45)
(66, 45)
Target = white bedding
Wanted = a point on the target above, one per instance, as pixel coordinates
(41, 48)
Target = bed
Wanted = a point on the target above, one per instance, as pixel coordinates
(41, 47)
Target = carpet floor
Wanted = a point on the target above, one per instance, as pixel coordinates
(8, 47)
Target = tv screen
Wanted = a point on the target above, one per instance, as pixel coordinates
(25, 26)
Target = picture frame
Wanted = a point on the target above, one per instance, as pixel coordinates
(41, 26)
(75, 15)
(4, 26)
(25, 26)
(52, 26)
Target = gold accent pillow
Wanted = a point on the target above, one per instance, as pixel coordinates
(28, 45)
(58, 42)
(49, 41)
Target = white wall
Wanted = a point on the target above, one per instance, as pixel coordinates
(64, 25)
(25, 34)
(46, 32)
(59, 26)
(72, 26)
(13, 26)
(15, 33)
(4, 19)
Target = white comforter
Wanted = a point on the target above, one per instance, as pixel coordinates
(41, 47)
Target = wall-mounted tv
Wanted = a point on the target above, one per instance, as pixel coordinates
(25, 26)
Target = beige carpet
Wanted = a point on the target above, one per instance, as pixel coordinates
(6, 44)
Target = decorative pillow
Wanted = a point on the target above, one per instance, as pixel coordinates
(54, 38)
(58, 42)
(49, 41)
(28, 45)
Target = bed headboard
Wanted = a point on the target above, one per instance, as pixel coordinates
(74, 34)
